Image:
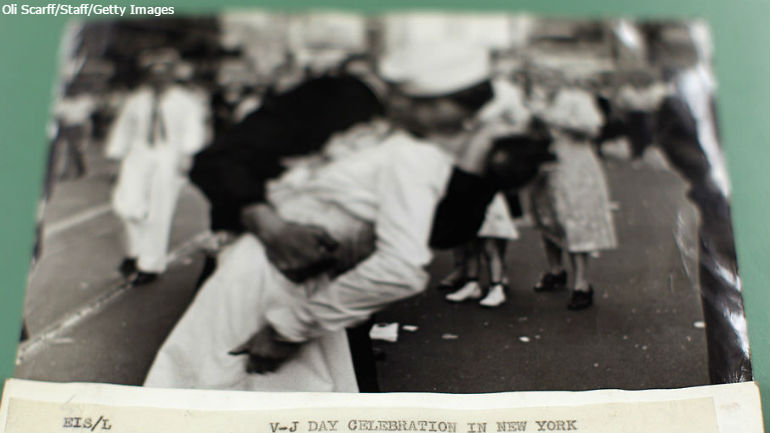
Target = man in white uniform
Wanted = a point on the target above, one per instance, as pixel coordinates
(159, 128)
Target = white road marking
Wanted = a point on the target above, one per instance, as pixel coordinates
(54, 332)
(74, 220)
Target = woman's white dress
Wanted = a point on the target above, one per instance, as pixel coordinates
(231, 306)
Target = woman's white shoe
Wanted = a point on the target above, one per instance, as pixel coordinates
(471, 290)
(495, 297)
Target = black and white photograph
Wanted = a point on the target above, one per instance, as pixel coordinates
(404, 202)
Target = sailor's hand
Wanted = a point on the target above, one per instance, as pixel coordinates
(214, 243)
(266, 351)
(297, 250)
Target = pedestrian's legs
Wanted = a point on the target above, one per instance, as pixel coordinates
(75, 154)
(133, 230)
(458, 256)
(157, 230)
(494, 252)
(58, 157)
(473, 259)
(459, 273)
(580, 269)
(471, 289)
(556, 277)
(133, 246)
(554, 255)
(582, 293)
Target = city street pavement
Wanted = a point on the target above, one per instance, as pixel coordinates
(641, 333)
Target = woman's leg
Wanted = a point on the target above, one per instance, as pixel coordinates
(580, 270)
(582, 292)
(471, 288)
(494, 252)
(459, 273)
(556, 277)
(473, 259)
(554, 255)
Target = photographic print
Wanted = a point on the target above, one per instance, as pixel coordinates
(406, 202)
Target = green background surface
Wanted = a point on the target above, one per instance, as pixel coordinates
(741, 30)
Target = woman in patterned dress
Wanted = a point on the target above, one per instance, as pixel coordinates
(571, 201)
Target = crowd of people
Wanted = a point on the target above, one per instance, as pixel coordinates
(328, 197)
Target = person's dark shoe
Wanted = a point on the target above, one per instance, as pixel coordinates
(141, 278)
(127, 267)
(550, 282)
(580, 300)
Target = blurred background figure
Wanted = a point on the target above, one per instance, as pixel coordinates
(160, 126)
(636, 103)
(506, 108)
(495, 232)
(571, 204)
(73, 132)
